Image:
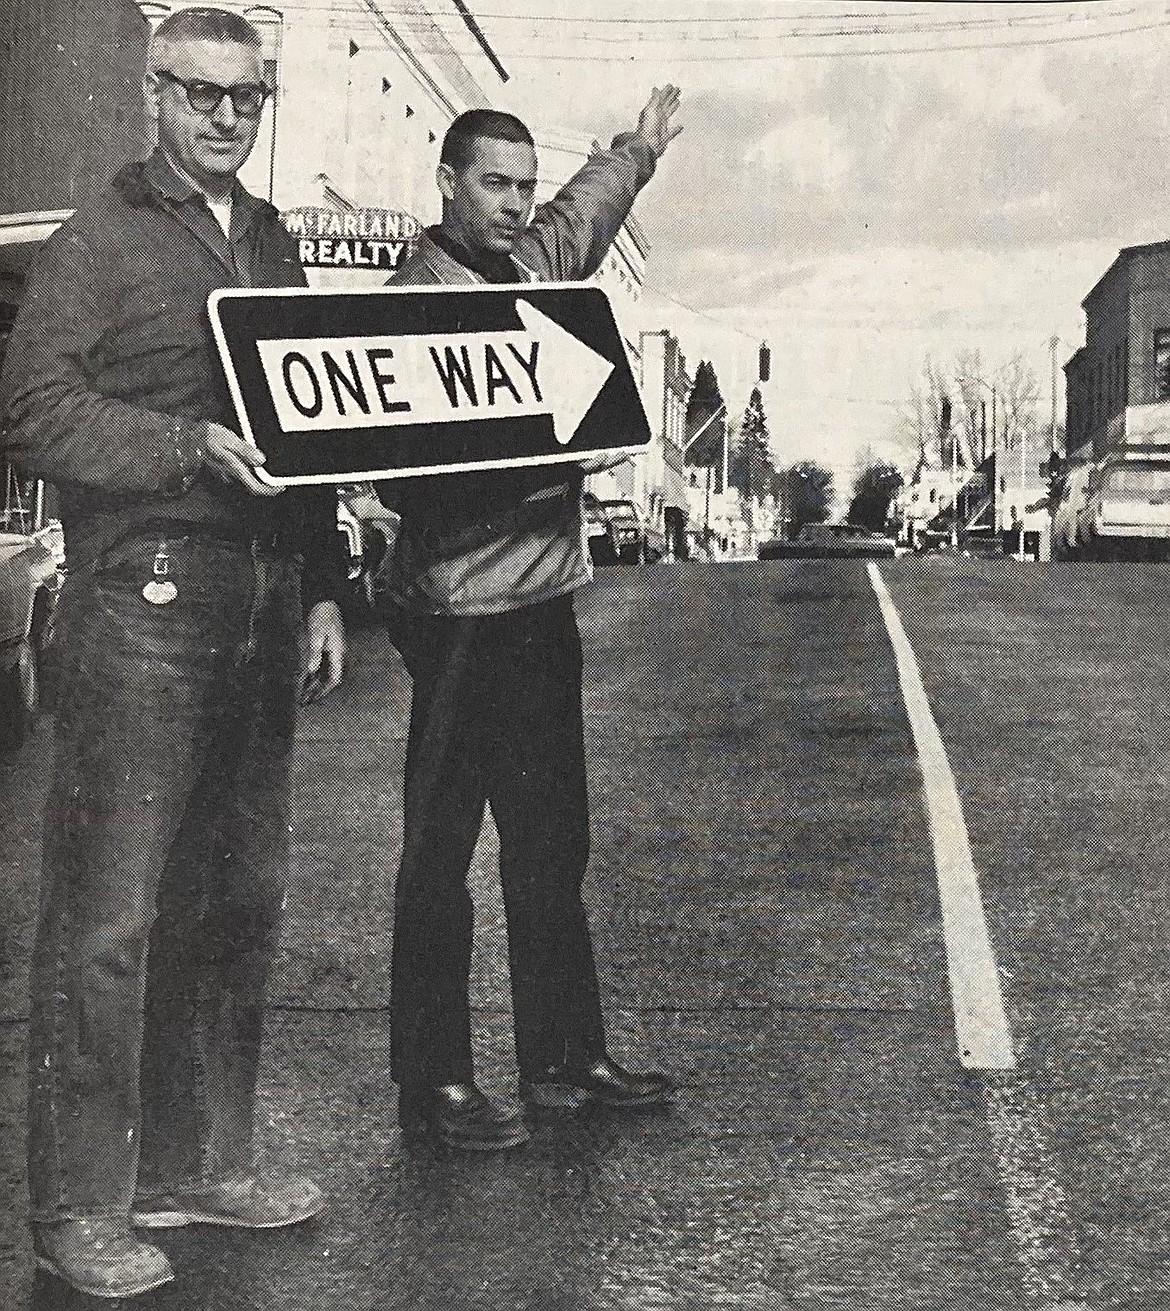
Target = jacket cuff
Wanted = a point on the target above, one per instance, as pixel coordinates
(186, 454)
(322, 579)
(314, 590)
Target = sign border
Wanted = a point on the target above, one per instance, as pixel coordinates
(430, 471)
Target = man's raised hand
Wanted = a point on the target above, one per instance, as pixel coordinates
(236, 460)
(654, 125)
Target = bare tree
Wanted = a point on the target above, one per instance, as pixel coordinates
(967, 400)
(917, 425)
(1018, 391)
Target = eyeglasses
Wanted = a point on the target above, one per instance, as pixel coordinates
(206, 97)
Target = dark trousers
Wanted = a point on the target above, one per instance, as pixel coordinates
(495, 718)
(166, 842)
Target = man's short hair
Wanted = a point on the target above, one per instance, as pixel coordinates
(203, 24)
(474, 124)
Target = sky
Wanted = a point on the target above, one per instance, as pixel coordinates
(864, 184)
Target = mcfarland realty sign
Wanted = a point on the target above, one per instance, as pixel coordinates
(362, 239)
(343, 386)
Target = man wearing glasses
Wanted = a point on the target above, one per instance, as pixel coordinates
(166, 831)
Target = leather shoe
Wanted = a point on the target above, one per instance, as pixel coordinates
(459, 1115)
(247, 1201)
(601, 1081)
(100, 1257)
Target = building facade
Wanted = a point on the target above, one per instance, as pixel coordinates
(1117, 385)
(364, 95)
(70, 115)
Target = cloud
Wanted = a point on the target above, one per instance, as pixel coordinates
(811, 152)
(863, 212)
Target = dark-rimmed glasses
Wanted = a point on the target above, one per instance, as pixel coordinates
(206, 97)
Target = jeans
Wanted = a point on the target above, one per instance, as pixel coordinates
(166, 846)
(496, 718)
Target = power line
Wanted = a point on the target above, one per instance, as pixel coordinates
(676, 57)
(870, 25)
(877, 22)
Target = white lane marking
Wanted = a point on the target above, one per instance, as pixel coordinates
(985, 1040)
(1038, 1211)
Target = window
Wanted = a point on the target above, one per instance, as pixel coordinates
(1162, 364)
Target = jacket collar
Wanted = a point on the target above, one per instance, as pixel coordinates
(448, 269)
(154, 181)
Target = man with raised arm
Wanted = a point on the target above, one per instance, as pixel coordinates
(166, 834)
(482, 580)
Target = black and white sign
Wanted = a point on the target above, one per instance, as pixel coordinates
(363, 239)
(341, 386)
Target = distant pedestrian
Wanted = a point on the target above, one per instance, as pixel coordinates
(482, 576)
(166, 835)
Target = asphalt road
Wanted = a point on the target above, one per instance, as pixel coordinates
(768, 926)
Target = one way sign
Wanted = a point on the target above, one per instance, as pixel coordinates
(343, 386)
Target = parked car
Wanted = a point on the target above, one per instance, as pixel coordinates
(1126, 512)
(617, 533)
(823, 541)
(368, 531)
(31, 569)
(598, 537)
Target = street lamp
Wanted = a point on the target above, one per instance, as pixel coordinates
(707, 499)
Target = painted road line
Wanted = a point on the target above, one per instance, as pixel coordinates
(985, 1041)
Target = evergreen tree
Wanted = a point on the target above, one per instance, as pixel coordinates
(874, 490)
(752, 466)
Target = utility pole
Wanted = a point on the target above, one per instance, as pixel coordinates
(954, 489)
(1053, 344)
(1023, 486)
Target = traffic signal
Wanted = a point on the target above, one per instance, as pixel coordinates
(765, 362)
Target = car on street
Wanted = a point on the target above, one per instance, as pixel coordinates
(618, 533)
(31, 570)
(824, 541)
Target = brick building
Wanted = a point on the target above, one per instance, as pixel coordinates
(1118, 383)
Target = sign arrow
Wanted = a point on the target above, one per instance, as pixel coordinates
(330, 383)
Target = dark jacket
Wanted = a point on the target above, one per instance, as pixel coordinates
(112, 375)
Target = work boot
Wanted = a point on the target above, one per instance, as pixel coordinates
(100, 1257)
(248, 1201)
